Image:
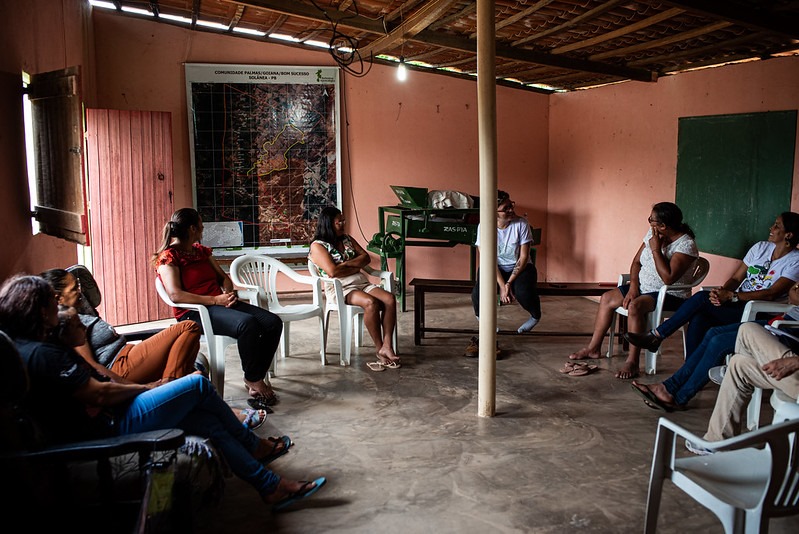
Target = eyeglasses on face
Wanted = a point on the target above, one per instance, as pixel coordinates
(653, 221)
(508, 207)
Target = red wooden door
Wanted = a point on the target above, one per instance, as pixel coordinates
(130, 198)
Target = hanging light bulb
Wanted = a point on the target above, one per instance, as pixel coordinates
(402, 72)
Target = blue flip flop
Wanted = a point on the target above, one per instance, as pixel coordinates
(274, 454)
(300, 494)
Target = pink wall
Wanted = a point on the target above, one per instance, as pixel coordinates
(420, 133)
(33, 42)
(613, 154)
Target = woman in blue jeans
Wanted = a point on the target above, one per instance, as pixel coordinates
(91, 406)
(766, 273)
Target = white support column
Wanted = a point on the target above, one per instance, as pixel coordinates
(487, 142)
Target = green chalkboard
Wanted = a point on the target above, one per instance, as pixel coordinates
(734, 176)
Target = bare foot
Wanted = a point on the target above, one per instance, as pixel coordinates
(259, 389)
(386, 354)
(585, 354)
(628, 370)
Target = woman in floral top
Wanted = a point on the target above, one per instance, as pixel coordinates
(191, 275)
(337, 255)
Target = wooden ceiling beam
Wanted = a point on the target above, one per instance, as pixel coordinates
(195, 13)
(519, 16)
(462, 44)
(630, 28)
(236, 18)
(684, 36)
(417, 22)
(759, 19)
(154, 8)
(588, 15)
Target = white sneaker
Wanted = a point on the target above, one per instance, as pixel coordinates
(696, 449)
(716, 374)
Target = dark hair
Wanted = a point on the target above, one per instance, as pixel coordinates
(57, 278)
(502, 196)
(790, 221)
(22, 299)
(65, 314)
(177, 227)
(670, 214)
(325, 230)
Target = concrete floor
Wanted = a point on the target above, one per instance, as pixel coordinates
(404, 450)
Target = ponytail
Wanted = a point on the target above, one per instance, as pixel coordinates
(176, 228)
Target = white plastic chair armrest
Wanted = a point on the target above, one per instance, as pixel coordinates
(753, 307)
(745, 440)
(784, 322)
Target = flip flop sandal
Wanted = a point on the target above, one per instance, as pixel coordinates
(306, 490)
(276, 453)
(376, 366)
(651, 399)
(583, 369)
(567, 368)
(261, 403)
(253, 418)
(391, 365)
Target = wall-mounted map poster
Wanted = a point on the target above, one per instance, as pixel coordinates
(264, 149)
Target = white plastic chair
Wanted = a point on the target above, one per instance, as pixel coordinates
(350, 317)
(216, 343)
(700, 269)
(257, 274)
(744, 484)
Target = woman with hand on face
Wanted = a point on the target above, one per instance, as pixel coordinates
(90, 406)
(191, 275)
(665, 257)
(766, 273)
(161, 358)
(338, 255)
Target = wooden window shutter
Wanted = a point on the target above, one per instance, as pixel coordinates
(56, 107)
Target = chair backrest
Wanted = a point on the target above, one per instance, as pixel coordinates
(256, 273)
(700, 270)
(782, 496)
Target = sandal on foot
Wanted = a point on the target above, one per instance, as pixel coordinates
(276, 452)
(306, 490)
(376, 366)
(651, 399)
(261, 403)
(253, 418)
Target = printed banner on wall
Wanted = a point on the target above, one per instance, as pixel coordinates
(264, 149)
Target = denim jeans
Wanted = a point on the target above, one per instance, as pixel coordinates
(192, 404)
(257, 332)
(692, 376)
(702, 315)
(524, 287)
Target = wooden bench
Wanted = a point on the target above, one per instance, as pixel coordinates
(422, 286)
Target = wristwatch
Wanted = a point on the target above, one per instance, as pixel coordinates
(734, 297)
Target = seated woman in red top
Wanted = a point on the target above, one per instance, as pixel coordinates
(191, 275)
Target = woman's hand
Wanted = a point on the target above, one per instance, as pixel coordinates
(226, 299)
(719, 296)
(505, 293)
(654, 241)
(631, 295)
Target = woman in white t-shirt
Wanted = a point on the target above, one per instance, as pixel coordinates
(517, 278)
(665, 257)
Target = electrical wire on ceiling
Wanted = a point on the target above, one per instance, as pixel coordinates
(344, 48)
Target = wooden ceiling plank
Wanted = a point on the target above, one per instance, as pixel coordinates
(607, 6)
(408, 28)
(684, 36)
(540, 58)
(520, 15)
(236, 18)
(726, 43)
(195, 13)
(634, 27)
(154, 8)
(781, 22)
(308, 12)
(455, 16)
(278, 23)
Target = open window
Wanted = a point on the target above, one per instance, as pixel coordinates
(56, 130)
